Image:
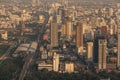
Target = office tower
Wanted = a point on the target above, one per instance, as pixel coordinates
(79, 37)
(90, 51)
(104, 31)
(54, 33)
(102, 45)
(56, 62)
(96, 47)
(64, 30)
(69, 67)
(58, 19)
(118, 55)
(61, 12)
(69, 29)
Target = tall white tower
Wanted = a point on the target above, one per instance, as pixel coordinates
(56, 62)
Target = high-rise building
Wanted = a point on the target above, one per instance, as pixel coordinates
(96, 47)
(104, 31)
(64, 30)
(118, 55)
(69, 67)
(90, 51)
(79, 37)
(61, 12)
(58, 18)
(102, 45)
(56, 62)
(69, 29)
(54, 34)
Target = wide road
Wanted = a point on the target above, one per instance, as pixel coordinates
(26, 66)
(30, 57)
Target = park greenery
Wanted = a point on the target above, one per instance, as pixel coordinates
(44, 74)
(10, 68)
(3, 49)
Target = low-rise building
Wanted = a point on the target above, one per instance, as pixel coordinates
(41, 66)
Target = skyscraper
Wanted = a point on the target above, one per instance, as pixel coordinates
(118, 55)
(54, 34)
(69, 29)
(104, 31)
(56, 62)
(102, 45)
(79, 37)
(90, 51)
(64, 30)
(96, 47)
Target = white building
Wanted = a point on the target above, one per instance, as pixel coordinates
(90, 51)
(41, 66)
(69, 67)
(56, 62)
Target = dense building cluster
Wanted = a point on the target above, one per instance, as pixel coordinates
(64, 36)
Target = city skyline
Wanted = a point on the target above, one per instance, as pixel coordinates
(59, 39)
